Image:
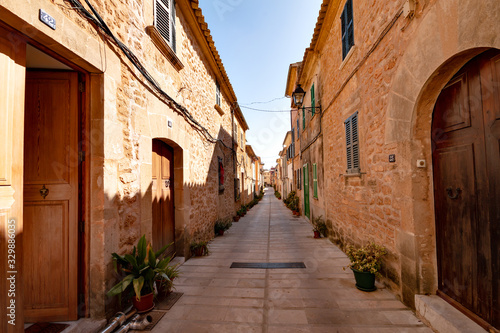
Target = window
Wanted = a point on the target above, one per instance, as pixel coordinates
(299, 176)
(315, 180)
(217, 93)
(352, 143)
(298, 128)
(235, 133)
(165, 20)
(347, 28)
(313, 101)
(221, 174)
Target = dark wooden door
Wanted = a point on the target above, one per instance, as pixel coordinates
(50, 243)
(163, 196)
(466, 161)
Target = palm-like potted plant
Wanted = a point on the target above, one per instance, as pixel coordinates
(142, 267)
(166, 284)
(365, 263)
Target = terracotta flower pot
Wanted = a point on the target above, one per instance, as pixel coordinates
(220, 232)
(145, 304)
(236, 218)
(317, 234)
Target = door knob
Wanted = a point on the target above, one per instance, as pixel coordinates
(44, 191)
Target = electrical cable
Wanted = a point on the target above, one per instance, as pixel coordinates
(97, 20)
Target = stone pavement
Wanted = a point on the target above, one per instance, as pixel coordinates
(320, 298)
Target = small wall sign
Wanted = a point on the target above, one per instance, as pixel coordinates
(392, 158)
(47, 19)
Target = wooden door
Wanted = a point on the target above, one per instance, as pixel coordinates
(51, 196)
(466, 161)
(306, 191)
(163, 196)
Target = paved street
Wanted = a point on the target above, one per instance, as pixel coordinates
(320, 298)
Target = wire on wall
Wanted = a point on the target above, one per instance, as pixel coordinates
(96, 19)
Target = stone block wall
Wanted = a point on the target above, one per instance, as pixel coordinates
(392, 77)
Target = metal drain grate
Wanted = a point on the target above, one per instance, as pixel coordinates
(268, 265)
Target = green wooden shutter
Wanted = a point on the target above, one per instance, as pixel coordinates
(352, 143)
(313, 101)
(303, 118)
(315, 180)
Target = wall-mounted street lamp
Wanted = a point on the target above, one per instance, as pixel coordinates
(298, 99)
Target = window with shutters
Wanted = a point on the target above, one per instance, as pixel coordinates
(352, 143)
(298, 129)
(235, 133)
(347, 28)
(165, 20)
(315, 180)
(313, 101)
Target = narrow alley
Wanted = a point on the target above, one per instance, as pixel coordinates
(320, 298)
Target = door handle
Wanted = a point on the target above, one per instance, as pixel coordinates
(453, 194)
(44, 191)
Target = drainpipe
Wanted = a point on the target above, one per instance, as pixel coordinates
(118, 320)
(136, 324)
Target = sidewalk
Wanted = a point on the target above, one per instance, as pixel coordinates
(319, 298)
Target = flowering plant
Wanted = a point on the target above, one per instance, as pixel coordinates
(367, 258)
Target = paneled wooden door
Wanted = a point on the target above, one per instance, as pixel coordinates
(466, 161)
(163, 196)
(50, 244)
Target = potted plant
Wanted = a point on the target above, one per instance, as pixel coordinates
(319, 227)
(221, 226)
(166, 284)
(143, 266)
(236, 218)
(199, 248)
(365, 263)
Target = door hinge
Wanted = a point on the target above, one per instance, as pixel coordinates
(81, 156)
(81, 86)
(81, 226)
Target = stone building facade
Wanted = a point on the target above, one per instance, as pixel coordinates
(146, 122)
(393, 170)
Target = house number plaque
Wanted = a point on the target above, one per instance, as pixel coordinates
(47, 19)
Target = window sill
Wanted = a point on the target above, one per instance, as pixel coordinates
(354, 174)
(219, 109)
(164, 48)
(347, 57)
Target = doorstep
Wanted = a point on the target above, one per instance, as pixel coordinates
(443, 317)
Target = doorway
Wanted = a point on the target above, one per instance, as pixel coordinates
(51, 196)
(466, 171)
(163, 196)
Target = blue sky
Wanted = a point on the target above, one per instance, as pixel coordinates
(257, 41)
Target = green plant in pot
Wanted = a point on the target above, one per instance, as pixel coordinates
(166, 283)
(319, 227)
(222, 225)
(199, 248)
(142, 267)
(365, 263)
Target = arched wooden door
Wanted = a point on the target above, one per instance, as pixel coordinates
(163, 196)
(466, 161)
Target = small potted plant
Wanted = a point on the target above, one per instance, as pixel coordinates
(319, 227)
(365, 263)
(221, 226)
(166, 282)
(143, 266)
(236, 218)
(199, 248)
